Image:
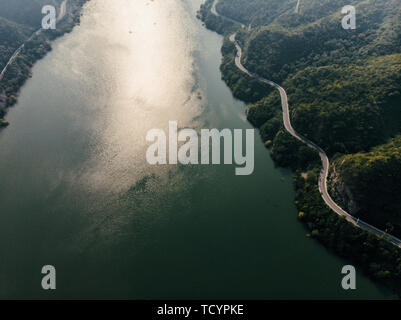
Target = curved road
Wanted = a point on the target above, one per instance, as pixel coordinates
(61, 15)
(297, 7)
(214, 11)
(325, 160)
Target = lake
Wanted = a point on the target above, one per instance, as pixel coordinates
(76, 191)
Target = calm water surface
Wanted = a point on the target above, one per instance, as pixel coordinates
(76, 191)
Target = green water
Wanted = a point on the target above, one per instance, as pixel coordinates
(76, 191)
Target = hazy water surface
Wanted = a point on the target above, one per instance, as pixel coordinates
(76, 191)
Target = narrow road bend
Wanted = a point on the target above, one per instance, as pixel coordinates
(325, 160)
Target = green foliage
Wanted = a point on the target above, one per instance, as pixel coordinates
(265, 110)
(254, 12)
(374, 180)
(290, 152)
(3, 123)
(217, 24)
(344, 90)
(344, 86)
(380, 259)
(285, 47)
(26, 12)
(346, 109)
(243, 86)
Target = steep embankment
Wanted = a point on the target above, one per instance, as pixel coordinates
(365, 92)
(323, 188)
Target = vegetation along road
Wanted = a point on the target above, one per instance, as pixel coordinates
(325, 160)
(63, 9)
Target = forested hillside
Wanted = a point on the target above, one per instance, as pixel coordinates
(254, 12)
(373, 185)
(344, 86)
(343, 109)
(344, 90)
(19, 19)
(27, 13)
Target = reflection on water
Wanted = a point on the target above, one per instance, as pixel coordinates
(141, 57)
(76, 191)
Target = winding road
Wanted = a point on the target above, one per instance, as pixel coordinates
(63, 9)
(297, 7)
(325, 160)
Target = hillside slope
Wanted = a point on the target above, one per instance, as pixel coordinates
(19, 19)
(369, 185)
(344, 90)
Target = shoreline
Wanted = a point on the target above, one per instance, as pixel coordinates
(40, 41)
(333, 220)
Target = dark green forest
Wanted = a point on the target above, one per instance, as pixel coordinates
(379, 259)
(344, 91)
(373, 180)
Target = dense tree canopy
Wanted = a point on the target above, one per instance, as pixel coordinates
(374, 180)
(344, 90)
